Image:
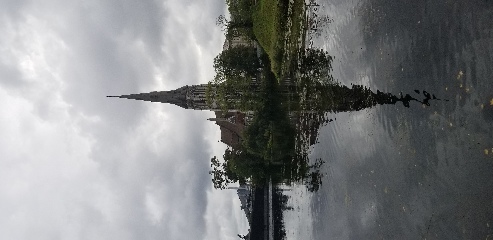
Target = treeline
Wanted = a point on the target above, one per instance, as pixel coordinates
(245, 81)
(240, 22)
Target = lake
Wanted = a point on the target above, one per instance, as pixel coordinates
(391, 172)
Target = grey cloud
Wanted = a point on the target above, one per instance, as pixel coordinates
(103, 63)
(183, 172)
(11, 77)
(12, 8)
(113, 48)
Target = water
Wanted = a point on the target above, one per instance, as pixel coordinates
(424, 172)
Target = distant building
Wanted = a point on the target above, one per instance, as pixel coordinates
(237, 41)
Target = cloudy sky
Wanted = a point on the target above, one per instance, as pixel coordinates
(77, 165)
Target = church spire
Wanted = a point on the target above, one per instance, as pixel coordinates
(188, 97)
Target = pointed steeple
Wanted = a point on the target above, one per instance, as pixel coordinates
(188, 97)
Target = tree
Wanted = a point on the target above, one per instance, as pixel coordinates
(237, 61)
(317, 64)
(233, 86)
(243, 165)
(240, 10)
(234, 168)
(220, 178)
(234, 93)
(241, 22)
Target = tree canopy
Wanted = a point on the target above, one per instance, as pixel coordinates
(238, 60)
(240, 22)
(233, 85)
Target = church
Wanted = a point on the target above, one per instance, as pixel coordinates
(188, 97)
(231, 123)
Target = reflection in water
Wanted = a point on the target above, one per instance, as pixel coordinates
(287, 118)
(315, 94)
(393, 172)
(416, 170)
(272, 147)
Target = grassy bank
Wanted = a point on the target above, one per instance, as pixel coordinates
(277, 26)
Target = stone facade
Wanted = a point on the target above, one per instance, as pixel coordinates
(188, 97)
(237, 41)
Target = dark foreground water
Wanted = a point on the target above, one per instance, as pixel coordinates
(424, 172)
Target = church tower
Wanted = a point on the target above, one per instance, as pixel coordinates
(188, 97)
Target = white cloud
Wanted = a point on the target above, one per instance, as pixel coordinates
(76, 165)
(47, 176)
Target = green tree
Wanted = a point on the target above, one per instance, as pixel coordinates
(240, 10)
(316, 64)
(220, 177)
(238, 166)
(233, 86)
(237, 61)
(240, 22)
(243, 164)
(235, 93)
